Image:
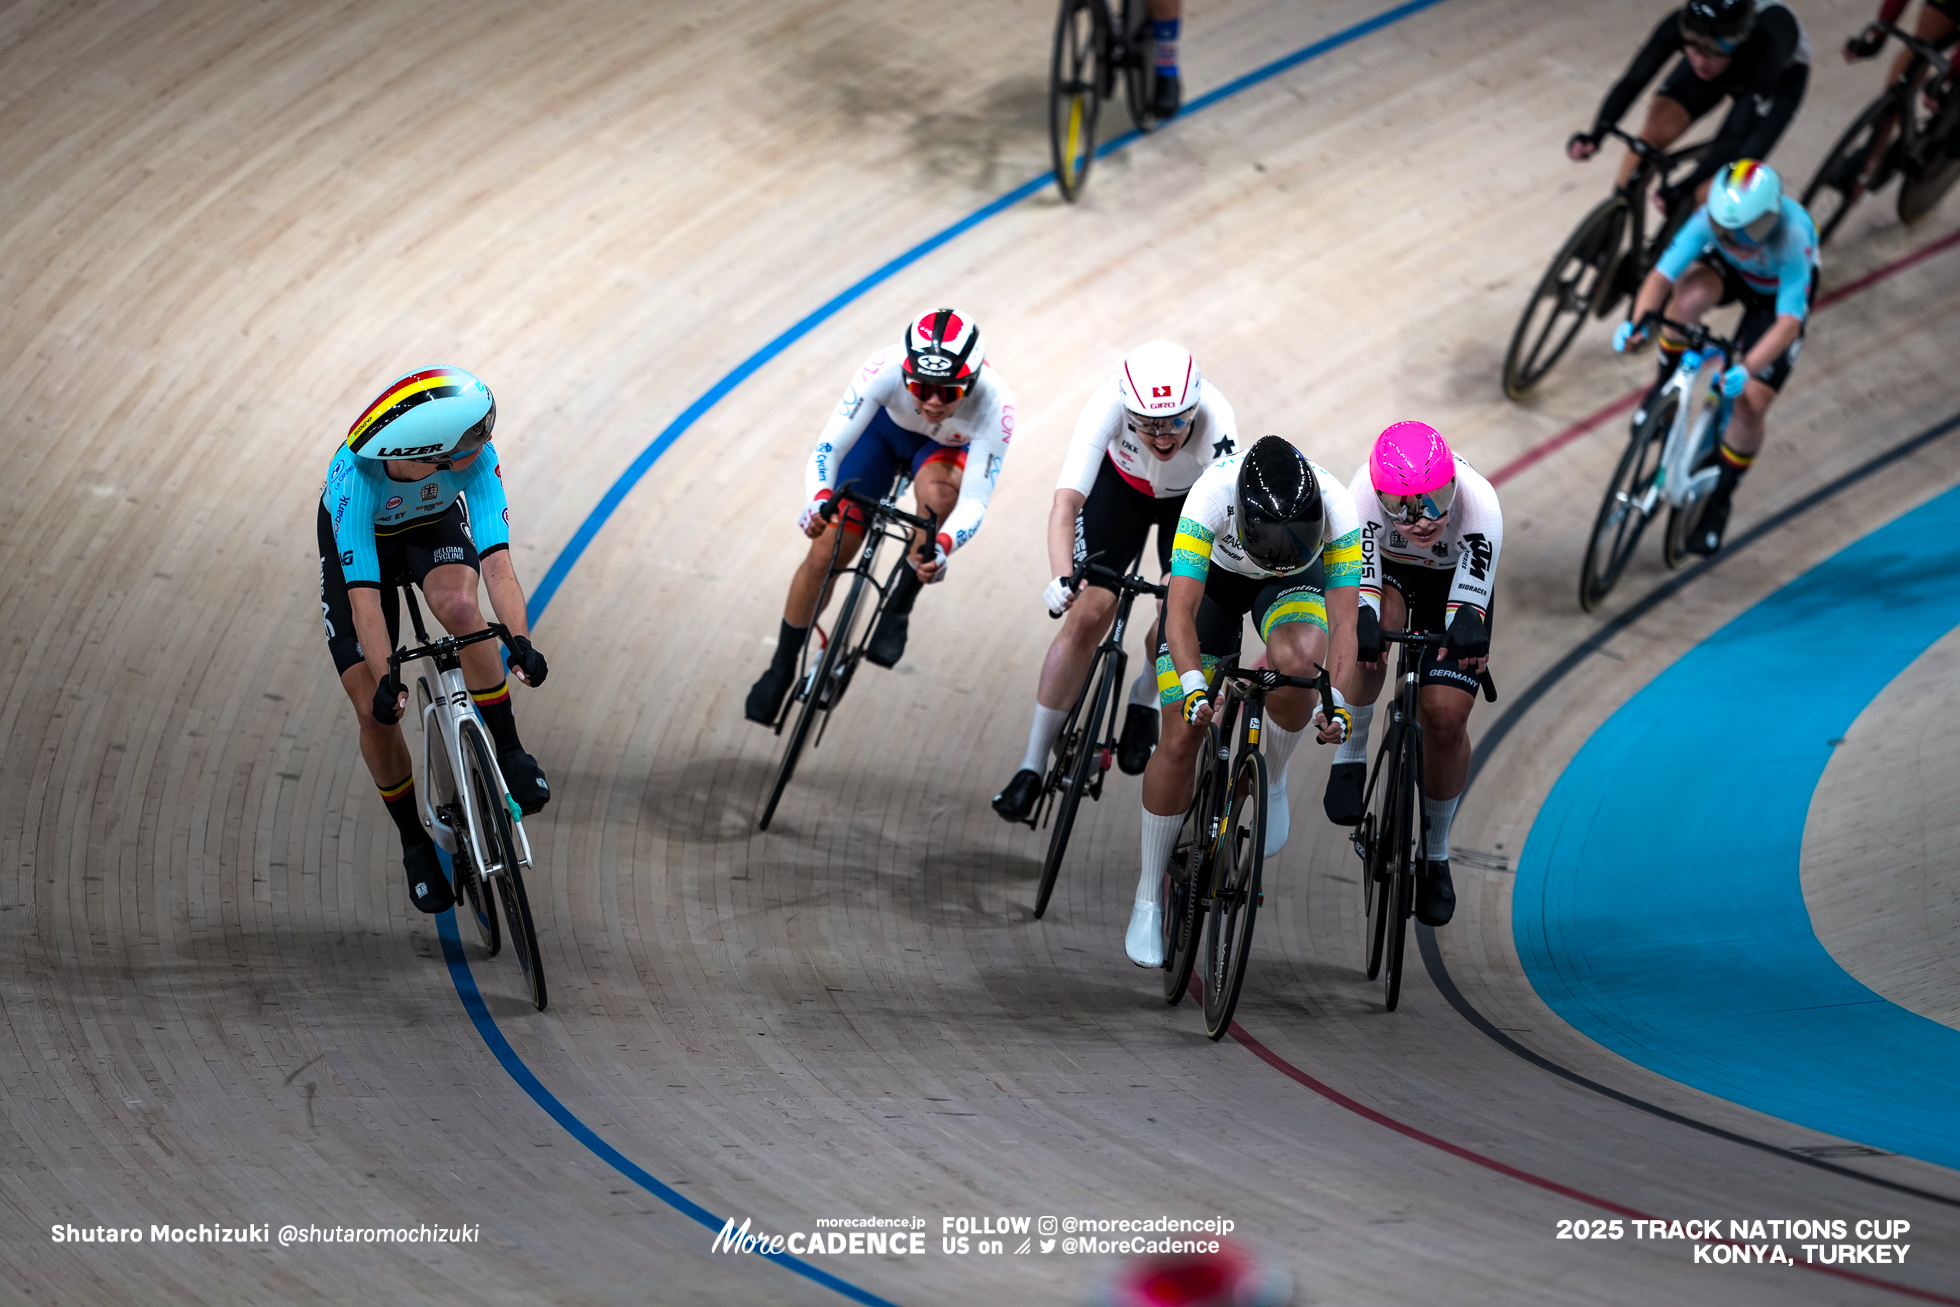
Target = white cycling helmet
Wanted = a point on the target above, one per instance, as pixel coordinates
(1747, 196)
(1159, 379)
(436, 414)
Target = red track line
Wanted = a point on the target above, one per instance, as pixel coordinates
(1538, 453)
(1339, 1099)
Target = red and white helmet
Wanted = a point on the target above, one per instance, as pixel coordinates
(1159, 379)
(944, 348)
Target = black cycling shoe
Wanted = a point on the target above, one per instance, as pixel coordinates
(766, 695)
(1345, 800)
(428, 888)
(1016, 801)
(1166, 96)
(525, 780)
(888, 641)
(1435, 895)
(1707, 539)
(1138, 741)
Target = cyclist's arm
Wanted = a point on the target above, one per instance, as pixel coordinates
(506, 592)
(1061, 530)
(351, 500)
(1662, 45)
(1374, 530)
(1190, 566)
(1098, 424)
(1480, 538)
(1775, 341)
(1341, 588)
(860, 402)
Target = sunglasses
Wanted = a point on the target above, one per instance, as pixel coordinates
(1161, 426)
(1403, 510)
(1749, 235)
(943, 392)
(474, 439)
(1709, 46)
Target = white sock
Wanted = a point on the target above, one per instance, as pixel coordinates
(1355, 747)
(1159, 837)
(1143, 690)
(1439, 813)
(1277, 742)
(1041, 737)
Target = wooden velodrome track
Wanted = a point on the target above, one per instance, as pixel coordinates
(225, 225)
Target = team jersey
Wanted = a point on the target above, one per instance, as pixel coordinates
(983, 425)
(365, 502)
(1780, 267)
(1103, 431)
(1207, 533)
(1469, 542)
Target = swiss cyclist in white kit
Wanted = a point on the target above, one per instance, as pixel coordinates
(1430, 534)
(928, 407)
(1140, 445)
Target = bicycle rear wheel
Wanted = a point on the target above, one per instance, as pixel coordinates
(488, 794)
(1579, 272)
(1621, 519)
(1140, 65)
(1237, 892)
(1185, 877)
(1084, 750)
(1075, 78)
(1857, 164)
(817, 694)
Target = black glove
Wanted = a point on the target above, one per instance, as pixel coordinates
(385, 696)
(526, 660)
(1367, 636)
(1581, 138)
(1864, 45)
(1469, 637)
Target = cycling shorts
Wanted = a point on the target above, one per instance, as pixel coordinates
(1758, 316)
(871, 467)
(1425, 595)
(1115, 521)
(1272, 602)
(417, 552)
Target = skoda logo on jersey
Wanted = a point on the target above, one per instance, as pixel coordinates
(395, 502)
(933, 365)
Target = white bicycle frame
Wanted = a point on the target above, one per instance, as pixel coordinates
(1698, 422)
(445, 718)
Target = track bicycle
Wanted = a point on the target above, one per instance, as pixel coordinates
(1671, 457)
(1903, 133)
(820, 683)
(1601, 265)
(1391, 838)
(1094, 47)
(1087, 744)
(1212, 888)
(466, 806)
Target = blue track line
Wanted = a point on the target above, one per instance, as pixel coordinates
(615, 495)
(1659, 904)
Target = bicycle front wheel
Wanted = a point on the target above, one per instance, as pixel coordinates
(1084, 750)
(1623, 511)
(1403, 854)
(816, 694)
(468, 881)
(1579, 273)
(1855, 166)
(1139, 66)
(1186, 876)
(488, 794)
(1075, 77)
(1236, 893)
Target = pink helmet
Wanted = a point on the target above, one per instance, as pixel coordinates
(1410, 458)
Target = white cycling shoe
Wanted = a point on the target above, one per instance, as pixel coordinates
(1145, 940)
(1279, 816)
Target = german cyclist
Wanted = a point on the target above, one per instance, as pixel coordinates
(1138, 448)
(928, 406)
(1751, 244)
(1272, 534)
(416, 488)
(1753, 54)
(1430, 534)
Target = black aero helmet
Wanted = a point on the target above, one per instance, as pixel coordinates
(1280, 512)
(1723, 24)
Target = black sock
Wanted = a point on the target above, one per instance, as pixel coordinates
(904, 591)
(493, 705)
(402, 806)
(789, 643)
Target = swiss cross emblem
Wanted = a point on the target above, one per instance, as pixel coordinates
(1160, 392)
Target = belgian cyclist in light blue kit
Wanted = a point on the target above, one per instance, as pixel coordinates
(1751, 244)
(417, 490)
